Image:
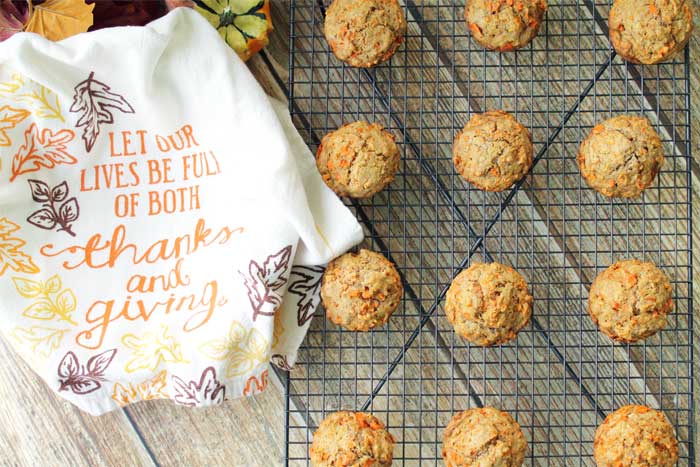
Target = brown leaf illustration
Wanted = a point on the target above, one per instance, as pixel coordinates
(306, 284)
(42, 149)
(208, 391)
(9, 118)
(53, 212)
(281, 362)
(58, 19)
(92, 100)
(81, 379)
(264, 282)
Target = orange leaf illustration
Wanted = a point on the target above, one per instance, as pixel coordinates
(58, 19)
(10, 254)
(9, 118)
(42, 149)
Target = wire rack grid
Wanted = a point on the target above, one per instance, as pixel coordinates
(560, 377)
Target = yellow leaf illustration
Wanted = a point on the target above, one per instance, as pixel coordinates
(243, 350)
(154, 388)
(50, 301)
(39, 100)
(9, 118)
(28, 288)
(58, 19)
(11, 255)
(151, 350)
(38, 340)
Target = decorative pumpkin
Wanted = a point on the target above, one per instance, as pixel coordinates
(244, 24)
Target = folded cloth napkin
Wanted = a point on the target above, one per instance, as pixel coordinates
(162, 224)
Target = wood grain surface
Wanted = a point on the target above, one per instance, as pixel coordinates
(38, 428)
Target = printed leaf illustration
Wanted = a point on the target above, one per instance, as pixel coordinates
(58, 19)
(149, 351)
(83, 379)
(38, 340)
(277, 330)
(243, 349)
(265, 283)
(9, 118)
(11, 254)
(93, 100)
(306, 284)
(154, 388)
(207, 391)
(51, 213)
(281, 362)
(260, 385)
(39, 100)
(42, 149)
(50, 302)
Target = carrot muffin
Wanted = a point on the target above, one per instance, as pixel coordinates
(630, 300)
(484, 437)
(504, 24)
(650, 31)
(345, 439)
(364, 33)
(488, 304)
(492, 151)
(621, 156)
(635, 436)
(358, 160)
(361, 290)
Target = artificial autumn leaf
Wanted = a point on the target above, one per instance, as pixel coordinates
(12, 18)
(92, 100)
(11, 255)
(9, 118)
(42, 149)
(58, 19)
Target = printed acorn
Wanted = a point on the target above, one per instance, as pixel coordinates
(244, 24)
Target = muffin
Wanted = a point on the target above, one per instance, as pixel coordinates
(360, 290)
(621, 156)
(351, 439)
(364, 34)
(504, 24)
(492, 151)
(630, 300)
(483, 437)
(488, 304)
(650, 31)
(635, 436)
(358, 160)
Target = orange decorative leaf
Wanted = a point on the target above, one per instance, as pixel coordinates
(42, 149)
(11, 255)
(9, 118)
(58, 19)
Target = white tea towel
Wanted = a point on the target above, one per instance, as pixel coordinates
(162, 224)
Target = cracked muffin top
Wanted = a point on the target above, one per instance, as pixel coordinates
(621, 156)
(504, 25)
(630, 300)
(488, 304)
(364, 33)
(650, 31)
(484, 437)
(358, 160)
(493, 151)
(360, 291)
(635, 436)
(356, 439)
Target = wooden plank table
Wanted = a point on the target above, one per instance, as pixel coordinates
(38, 428)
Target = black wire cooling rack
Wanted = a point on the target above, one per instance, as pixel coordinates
(560, 377)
